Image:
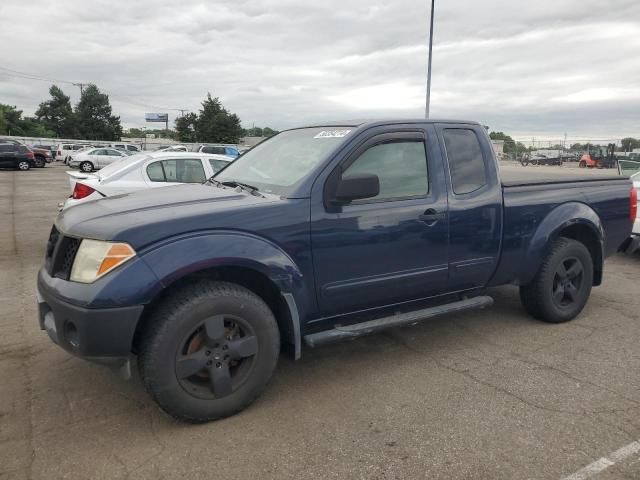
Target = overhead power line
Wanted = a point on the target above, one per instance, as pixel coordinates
(118, 97)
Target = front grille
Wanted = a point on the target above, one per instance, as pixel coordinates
(60, 254)
(64, 257)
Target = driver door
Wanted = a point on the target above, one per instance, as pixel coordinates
(390, 248)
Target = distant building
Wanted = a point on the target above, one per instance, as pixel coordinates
(498, 148)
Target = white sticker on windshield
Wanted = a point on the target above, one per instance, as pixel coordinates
(332, 134)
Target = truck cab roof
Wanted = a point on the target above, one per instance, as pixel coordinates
(367, 123)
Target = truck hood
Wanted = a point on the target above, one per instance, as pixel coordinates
(143, 217)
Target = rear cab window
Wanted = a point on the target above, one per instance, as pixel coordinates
(466, 163)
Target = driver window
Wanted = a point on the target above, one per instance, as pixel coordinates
(401, 168)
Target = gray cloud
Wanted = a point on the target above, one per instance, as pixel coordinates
(529, 68)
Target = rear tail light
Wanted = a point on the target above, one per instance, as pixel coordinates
(59, 154)
(81, 191)
(633, 204)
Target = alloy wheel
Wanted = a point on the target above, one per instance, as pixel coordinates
(567, 282)
(217, 357)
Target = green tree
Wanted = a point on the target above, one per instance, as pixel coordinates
(254, 132)
(269, 132)
(520, 148)
(3, 121)
(12, 123)
(186, 126)
(215, 124)
(509, 143)
(94, 116)
(56, 113)
(12, 120)
(32, 127)
(630, 143)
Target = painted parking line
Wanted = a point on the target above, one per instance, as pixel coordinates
(605, 462)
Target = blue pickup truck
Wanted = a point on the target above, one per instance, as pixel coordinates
(316, 235)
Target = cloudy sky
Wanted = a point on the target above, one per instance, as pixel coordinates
(535, 68)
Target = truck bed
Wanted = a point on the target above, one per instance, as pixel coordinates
(530, 194)
(513, 175)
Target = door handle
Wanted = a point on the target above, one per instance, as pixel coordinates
(431, 216)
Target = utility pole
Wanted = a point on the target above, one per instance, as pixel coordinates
(426, 111)
(81, 85)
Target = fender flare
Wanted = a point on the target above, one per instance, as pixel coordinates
(559, 219)
(178, 257)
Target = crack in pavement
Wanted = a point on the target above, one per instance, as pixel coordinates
(513, 356)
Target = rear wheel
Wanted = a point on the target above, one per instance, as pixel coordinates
(562, 286)
(582, 164)
(209, 351)
(23, 165)
(86, 167)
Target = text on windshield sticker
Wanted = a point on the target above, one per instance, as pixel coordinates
(332, 134)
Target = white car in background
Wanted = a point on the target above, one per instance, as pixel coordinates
(96, 158)
(174, 148)
(142, 171)
(129, 147)
(64, 151)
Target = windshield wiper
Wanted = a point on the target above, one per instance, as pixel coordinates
(214, 182)
(245, 186)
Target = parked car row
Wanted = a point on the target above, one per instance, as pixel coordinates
(65, 151)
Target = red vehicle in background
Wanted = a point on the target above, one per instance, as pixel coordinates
(42, 156)
(599, 157)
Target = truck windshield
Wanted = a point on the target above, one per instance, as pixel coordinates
(278, 164)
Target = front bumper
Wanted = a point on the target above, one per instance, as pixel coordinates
(102, 335)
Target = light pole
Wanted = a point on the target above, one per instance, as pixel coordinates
(426, 111)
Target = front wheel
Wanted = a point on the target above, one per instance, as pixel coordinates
(86, 167)
(40, 162)
(23, 165)
(209, 350)
(562, 286)
(582, 164)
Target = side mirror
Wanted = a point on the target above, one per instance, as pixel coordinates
(357, 187)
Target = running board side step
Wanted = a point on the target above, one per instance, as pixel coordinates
(346, 332)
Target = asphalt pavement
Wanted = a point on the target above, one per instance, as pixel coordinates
(491, 394)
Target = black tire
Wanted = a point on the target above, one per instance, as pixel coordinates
(86, 167)
(562, 286)
(167, 351)
(40, 162)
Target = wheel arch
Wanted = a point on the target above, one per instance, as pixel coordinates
(263, 269)
(574, 220)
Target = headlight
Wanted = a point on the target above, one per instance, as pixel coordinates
(96, 258)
